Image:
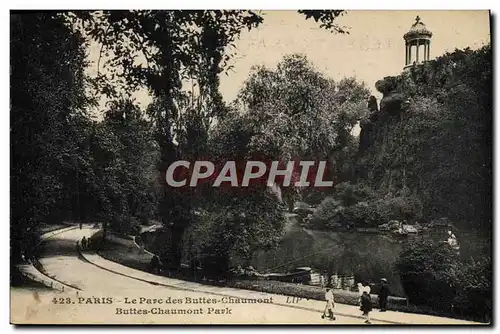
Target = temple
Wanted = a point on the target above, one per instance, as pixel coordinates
(418, 44)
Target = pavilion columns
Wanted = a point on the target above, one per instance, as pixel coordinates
(421, 52)
(417, 43)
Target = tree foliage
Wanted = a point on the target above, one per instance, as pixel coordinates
(48, 105)
(64, 164)
(295, 113)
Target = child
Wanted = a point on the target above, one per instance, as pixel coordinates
(330, 304)
(366, 306)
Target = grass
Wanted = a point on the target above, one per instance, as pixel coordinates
(125, 252)
(309, 292)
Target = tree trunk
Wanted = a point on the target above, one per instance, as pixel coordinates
(177, 233)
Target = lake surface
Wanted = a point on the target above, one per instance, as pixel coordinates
(369, 257)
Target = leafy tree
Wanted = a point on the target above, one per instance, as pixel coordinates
(433, 274)
(48, 104)
(295, 112)
(124, 162)
(175, 45)
(139, 155)
(474, 293)
(239, 225)
(350, 194)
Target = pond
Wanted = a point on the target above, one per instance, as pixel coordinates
(369, 257)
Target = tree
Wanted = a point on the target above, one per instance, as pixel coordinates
(124, 162)
(295, 113)
(174, 45)
(474, 293)
(48, 121)
(433, 274)
(139, 154)
(232, 229)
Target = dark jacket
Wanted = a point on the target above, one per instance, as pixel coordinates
(384, 291)
(366, 303)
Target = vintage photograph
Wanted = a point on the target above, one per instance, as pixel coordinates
(247, 167)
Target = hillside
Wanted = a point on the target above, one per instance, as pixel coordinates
(431, 138)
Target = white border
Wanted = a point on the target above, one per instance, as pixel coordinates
(225, 4)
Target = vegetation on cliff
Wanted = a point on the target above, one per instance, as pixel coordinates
(431, 139)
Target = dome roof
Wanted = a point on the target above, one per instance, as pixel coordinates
(418, 30)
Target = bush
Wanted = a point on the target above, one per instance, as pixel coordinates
(350, 194)
(311, 292)
(96, 239)
(428, 272)
(433, 275)
(326, 213)
(474, 293)
(348, 208)
(126, 225)
(397, 208)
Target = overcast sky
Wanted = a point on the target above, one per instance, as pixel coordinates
(374, 48)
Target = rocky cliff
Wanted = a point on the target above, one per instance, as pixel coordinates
(431, 138)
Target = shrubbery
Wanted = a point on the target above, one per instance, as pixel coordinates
(357, 206)
(126, 225)
(432, 274)
(474, 292)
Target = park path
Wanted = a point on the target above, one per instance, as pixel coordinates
(95, 276)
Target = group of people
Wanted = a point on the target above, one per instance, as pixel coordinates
(85, 243)
(365, 300)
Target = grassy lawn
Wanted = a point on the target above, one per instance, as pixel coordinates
(126, 253)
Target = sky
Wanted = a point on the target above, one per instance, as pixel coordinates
(373, 49)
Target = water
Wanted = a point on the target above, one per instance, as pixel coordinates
(369, 257)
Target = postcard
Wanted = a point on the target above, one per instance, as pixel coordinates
(319, 167)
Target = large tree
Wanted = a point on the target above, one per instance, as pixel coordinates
(296, 113)
(160, 49)
(48, 120)
(292, 112)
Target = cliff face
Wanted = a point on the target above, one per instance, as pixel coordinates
(381, 160)
(431, 139)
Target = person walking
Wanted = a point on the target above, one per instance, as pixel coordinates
(383, 295)
(330, 304)
(366, 306)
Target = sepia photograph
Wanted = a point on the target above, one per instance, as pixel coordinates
(251, 167)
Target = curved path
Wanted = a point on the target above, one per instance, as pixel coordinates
(97, 278)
